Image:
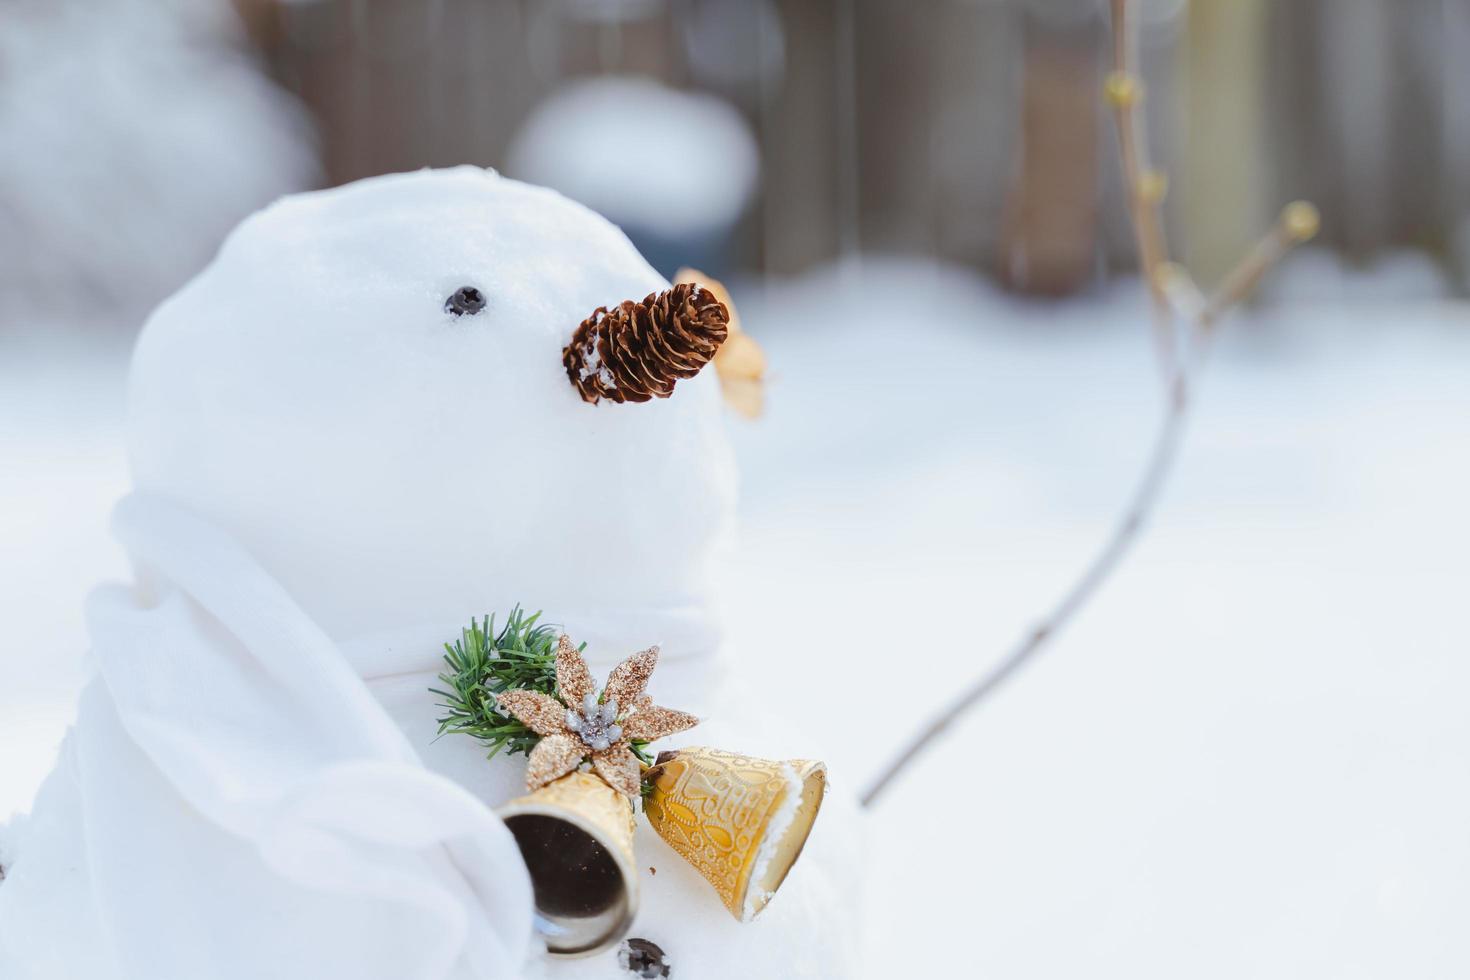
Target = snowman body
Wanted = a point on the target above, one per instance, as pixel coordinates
(334, 463)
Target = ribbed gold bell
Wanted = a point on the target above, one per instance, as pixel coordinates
(576, 835)
(741, 821)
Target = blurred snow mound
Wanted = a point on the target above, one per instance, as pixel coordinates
(1314, 275)
(137, 132)
(641, 154)
(9, 832)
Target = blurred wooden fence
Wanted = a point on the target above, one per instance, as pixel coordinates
(965, 130)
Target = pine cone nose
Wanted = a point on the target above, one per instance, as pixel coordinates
(637, 351)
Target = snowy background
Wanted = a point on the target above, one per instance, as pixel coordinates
(1250, 757)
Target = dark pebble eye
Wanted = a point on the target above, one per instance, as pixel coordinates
(466, 301)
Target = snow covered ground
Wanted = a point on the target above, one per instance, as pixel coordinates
(1249, 758)
(61, 468)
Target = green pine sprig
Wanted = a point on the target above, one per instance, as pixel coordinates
(521, 656)
(482, 663)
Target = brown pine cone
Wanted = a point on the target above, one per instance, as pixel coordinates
(636, 351)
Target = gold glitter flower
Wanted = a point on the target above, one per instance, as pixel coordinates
(577, 725)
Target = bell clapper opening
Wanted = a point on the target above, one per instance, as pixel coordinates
(576, 837)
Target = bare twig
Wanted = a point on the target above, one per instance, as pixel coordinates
(1145, 187)
(1297, 223)
(1174, 295)
(1181, 292)
(1120, 540)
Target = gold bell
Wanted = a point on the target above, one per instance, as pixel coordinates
(739, 820)
(576, 835)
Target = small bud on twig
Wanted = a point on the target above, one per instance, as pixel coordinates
(1122, 90)
(1152, 187)
(1300, 220)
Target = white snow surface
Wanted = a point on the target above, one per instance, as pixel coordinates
(640, 153)
(1246, 759)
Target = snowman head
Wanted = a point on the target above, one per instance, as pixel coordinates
(367, 389)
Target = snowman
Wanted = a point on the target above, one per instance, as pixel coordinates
(350, 434)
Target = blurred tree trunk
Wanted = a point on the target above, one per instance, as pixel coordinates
(1365, 104)
(1223, 186)
(1049, 239)
(798, 133)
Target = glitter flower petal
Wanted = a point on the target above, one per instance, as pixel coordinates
(573, 680)
(619, 767)
(628, 679)
(541, 713)
(553, 757)
(653, 722)
(578, 726)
